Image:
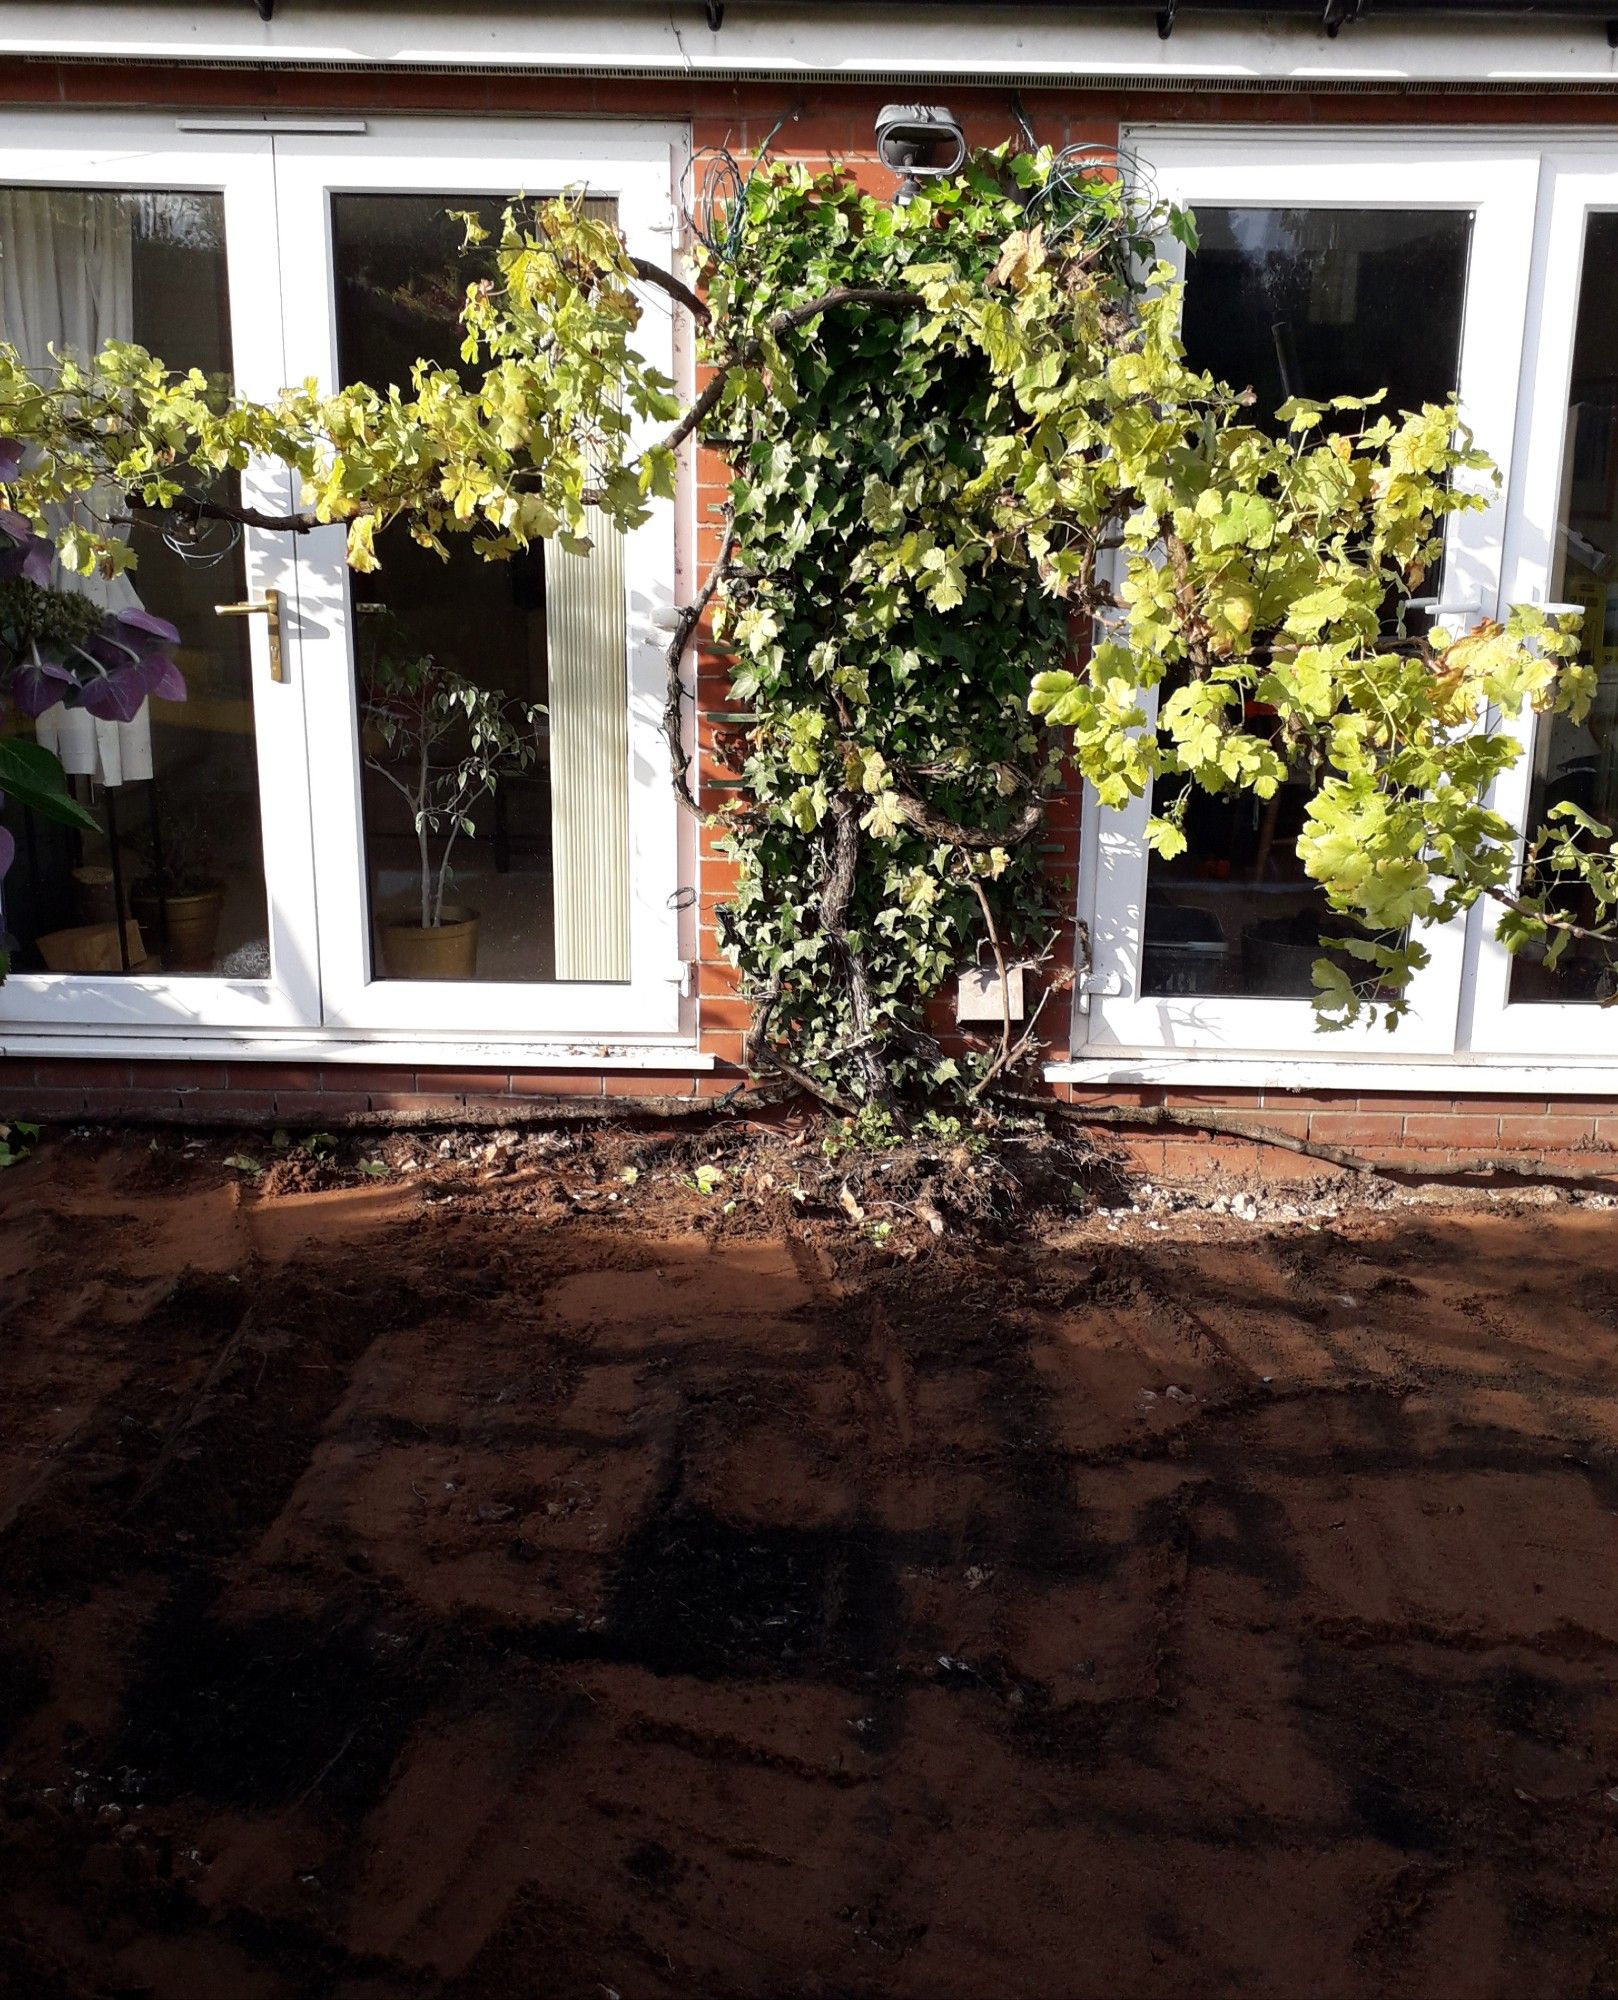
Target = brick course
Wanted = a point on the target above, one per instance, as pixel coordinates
(1426, 1131)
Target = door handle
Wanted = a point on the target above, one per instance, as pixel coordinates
(267, 607)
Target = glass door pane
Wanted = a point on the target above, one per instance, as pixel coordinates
(1577, 762)
(1294, 302)
(1564, 544)
(498, 846)
(180, 854)
(177, 908)
(457, 840)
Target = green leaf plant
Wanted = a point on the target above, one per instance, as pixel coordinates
(987, 533)
(442, 742)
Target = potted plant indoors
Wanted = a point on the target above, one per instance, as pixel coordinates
(443, 743)
(181, 897)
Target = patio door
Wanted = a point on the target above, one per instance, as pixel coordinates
(1324, 267)
(194, 900)
(268, 849)
(1563, 549)
(557, 911)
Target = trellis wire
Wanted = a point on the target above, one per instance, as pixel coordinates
(715, 193)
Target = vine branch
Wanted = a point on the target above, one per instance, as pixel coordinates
(926, 820)
(676, 288)
(674, 694)
(837, 887)
(200, 509)
(784, 321)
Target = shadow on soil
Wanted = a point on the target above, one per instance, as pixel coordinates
(480, 1604)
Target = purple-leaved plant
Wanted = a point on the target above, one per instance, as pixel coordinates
(60, 646)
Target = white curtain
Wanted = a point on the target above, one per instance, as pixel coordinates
(588, 697)
(67, 282)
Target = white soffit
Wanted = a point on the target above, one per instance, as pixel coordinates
(776, 38)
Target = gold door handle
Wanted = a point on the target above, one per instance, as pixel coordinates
(267, 607)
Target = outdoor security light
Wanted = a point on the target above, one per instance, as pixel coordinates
(922, 142)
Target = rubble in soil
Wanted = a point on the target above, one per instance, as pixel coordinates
(732, 1177)
(675, 1560)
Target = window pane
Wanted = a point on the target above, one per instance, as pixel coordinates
(179, 854)
(462, 859)
(1313, 302)
(1329, 302)
(1578, 761)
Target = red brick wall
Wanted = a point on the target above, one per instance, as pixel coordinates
(317, 1094)
(1431, 1130)
(830, 120)
(1396, 1128)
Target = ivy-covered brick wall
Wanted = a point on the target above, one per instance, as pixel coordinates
(831, 120)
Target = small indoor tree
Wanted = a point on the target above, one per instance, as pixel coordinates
(981, 508)
(443, 743)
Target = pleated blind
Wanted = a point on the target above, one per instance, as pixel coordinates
(589, 728)
(589, 740)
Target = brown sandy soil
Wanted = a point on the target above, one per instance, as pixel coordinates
(502, 1578)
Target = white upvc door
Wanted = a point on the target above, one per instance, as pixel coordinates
(1253, 175)
(203, 209)
(1563, 529)
(324, 183)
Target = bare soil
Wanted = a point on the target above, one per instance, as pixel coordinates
(515, 1571)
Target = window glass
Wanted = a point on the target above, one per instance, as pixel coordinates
(492, 695)
(1312, 302)
(1329, 302)
(174, 879)
(1578, 761)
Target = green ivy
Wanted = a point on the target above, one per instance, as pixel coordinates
(887, 715)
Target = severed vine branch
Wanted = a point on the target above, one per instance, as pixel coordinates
(197, 508)
(676, 288)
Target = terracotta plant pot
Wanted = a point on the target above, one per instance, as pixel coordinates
(93, 900)
(190, 919)
(449, 950)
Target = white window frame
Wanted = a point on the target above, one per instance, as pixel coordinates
(1246, 167)
(46, 149)
(469, 158)
(1577, 182)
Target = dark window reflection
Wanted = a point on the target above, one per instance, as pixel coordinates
(1329, 302)
(401, 280)
(1578, 762)
(1319, 303)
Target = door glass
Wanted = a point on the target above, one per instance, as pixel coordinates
(493, 698)
(1577, 762)
(179, 855)
(1311, 302)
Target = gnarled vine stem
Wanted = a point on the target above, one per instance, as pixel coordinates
(691, 617)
